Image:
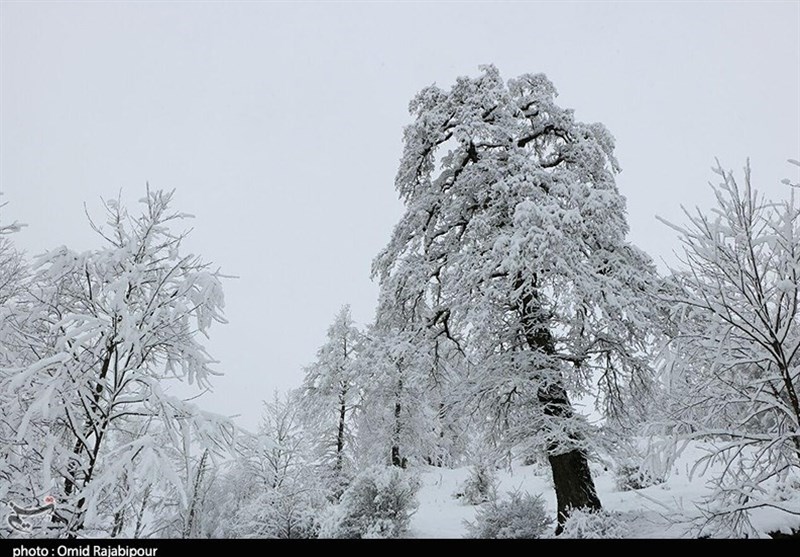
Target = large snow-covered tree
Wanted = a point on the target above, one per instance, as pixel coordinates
(734, 370)
(107, 329)
(512, 247)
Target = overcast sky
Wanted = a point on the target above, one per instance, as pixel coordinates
(280, 124)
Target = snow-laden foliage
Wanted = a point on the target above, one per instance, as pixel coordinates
(516, 516)
(272, 489)
(378, 503)
(480, 486)
(14, 465)
(512, 250)
(405, 415)
(599, 524)
(732, 375)
(106, 331)
(329, 399)
(637, 462)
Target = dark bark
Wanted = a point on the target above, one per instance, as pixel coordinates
(572, 478)
(75, 524)
(119, 523)
(340, 432)
(791, 395)
(343, 386)
(397, 460)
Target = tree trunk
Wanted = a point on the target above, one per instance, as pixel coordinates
(119, 523)
(340, 431)
(572, 478)
(396, 459)
(791, 395)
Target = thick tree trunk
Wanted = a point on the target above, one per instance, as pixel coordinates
(572, 478)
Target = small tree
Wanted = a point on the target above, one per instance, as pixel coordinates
(330, 394)
(736, 344)
(401, 418)
(272, 490)
(377, 504)
(481, 484)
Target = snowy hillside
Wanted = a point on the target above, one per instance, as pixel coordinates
(669, 510)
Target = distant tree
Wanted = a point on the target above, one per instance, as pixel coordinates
(404, 413)
(272, 489)
(13, 274)
(734, 372)
(330, 394)
(512, 248)
(392, 421)
(107, 330)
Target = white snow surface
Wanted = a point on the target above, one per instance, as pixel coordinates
(666, 510)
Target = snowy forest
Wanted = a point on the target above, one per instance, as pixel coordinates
(528, 372)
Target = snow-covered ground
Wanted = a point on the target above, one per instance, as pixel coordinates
(666, 510)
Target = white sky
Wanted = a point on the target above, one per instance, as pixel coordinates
(280, 125)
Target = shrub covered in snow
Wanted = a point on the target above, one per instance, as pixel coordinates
(519, 516)
(479, 487)
(377, 504)
(586, 524)
(282, 513)
(630, 477)
(638, 462)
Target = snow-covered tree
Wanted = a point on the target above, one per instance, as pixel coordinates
(109, 328)
(13, 273)
(330, 394)
(378, 504)
(734, 375)
(512, 247)
(404, 413)
(271, 489)
(196, 445)
(392, 417)
(14, 469)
